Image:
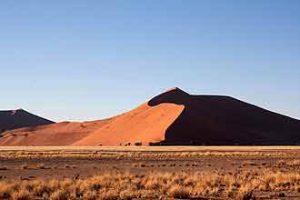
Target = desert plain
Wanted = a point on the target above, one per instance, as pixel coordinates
(150, 172)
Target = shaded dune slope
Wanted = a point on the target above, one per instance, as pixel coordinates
(171, 118)
(13, 119)
(223, 120)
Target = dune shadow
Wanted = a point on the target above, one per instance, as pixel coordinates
(222, 120)
(175, 96)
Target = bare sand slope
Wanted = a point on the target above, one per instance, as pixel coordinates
(64, 133)
(144, 124)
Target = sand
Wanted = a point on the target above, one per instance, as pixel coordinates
(171, 118)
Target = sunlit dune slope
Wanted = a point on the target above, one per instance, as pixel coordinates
(143, 125)
(64, 133)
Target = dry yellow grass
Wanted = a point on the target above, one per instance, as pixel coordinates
(180, 185)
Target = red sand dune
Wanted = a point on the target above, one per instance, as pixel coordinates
(58, 134)
(223, 120)
(144, 124)
(171, 118)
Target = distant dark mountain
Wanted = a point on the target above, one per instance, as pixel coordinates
(14, 119)
(171, 118)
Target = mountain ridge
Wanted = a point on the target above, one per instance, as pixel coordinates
(13, 119)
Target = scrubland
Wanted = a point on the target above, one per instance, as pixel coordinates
(150, 174)
(180, 185)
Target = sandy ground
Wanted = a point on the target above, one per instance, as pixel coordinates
(31, 163)
(68, 162)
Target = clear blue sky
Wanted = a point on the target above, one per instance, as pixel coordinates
(82, 60)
